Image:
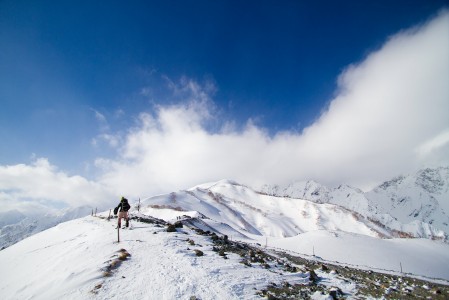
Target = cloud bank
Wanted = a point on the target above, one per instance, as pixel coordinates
(40, 187)
(389, 116)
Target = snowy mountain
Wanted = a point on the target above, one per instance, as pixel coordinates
(225, 240)
(415, 205)
(249, 213)
(422, 197)
(183, 257)
(15, 226)
(407, 206)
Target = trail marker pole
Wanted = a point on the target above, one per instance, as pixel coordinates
(400, 264)
(109, 217)
(118, 234)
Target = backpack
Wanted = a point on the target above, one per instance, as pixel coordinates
(115, 210)
(125, 205)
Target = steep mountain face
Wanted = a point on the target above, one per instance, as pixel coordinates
(422, 197)
(17, 226)
(345, 196)
(415, 205)
(11, 217)
(309, 190)
(250, 213)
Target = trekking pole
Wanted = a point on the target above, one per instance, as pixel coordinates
(118, 234)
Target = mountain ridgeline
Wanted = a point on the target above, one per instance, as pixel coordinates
(413, 206)
(406, 206)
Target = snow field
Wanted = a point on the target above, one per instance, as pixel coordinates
(417, 256)
(68, 261)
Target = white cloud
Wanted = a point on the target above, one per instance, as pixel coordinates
(42, 186)
(386, 107)
(101, 119)
(435, 143)
(112, 140)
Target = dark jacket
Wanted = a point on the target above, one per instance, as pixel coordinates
(123, 205)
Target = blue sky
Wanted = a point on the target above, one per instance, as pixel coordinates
(77, 79)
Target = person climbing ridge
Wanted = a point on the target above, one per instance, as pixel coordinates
(122, 210)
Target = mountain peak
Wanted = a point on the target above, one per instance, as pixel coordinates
(433, 180)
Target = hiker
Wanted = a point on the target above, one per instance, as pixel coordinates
(122, 210)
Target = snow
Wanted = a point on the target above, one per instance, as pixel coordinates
(69, 261)
(66, 262)
(421, 197)
(19, 226)
(416, 256)
(249, 212)
(415, 204)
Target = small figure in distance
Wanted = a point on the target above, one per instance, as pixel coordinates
(122, 210)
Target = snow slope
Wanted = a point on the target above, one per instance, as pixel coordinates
(250, 212)
(68, 262)
(414, 256)
(423, 197)
(77, 259)
(229, 208)
(407, 206)
(15, 226)
(415, 205)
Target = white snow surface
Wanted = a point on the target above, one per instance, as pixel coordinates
(249, 212)
(417, 204)
(15, 226)
(413, 205)
(414, 256)
(66, 262)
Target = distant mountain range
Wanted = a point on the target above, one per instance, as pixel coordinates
(15, 226)
(407, 207)
(415, 205)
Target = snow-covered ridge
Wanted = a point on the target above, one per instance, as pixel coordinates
(417, 204)
(81, 259)
(406, 206)
(251, 213)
